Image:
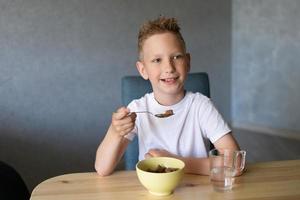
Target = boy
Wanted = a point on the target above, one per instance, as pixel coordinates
(186, 134)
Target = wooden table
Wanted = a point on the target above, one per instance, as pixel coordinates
(269, 180)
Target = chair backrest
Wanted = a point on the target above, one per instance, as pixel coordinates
(134, 87)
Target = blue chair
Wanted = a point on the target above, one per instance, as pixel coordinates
(134, 87)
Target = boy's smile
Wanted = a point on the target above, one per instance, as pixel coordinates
(166, 64)
(169, 80)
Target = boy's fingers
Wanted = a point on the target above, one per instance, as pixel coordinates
(124, 115)
(132, 116)
(127, 125)
(128, 119)
(153, 151)
(121, 113)
(123, 109)
(125, 129)
(147, 155)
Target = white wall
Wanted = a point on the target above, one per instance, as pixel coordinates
(266, 66)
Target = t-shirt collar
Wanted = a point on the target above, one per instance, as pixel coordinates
(158, 108)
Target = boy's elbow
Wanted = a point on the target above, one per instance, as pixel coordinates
(240, 172)
(102, 172)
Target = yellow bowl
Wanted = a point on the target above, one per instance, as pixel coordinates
(160, 184)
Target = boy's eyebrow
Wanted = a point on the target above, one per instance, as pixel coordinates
(152, 56)
(177, 53)
(141, 57)
(157, 55)
(172, 54)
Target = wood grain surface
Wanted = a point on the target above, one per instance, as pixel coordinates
(270, 180)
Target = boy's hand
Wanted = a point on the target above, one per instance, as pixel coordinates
(122, 121)
(159, 153)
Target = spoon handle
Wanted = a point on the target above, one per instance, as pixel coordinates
(143, 112)
(167, 113)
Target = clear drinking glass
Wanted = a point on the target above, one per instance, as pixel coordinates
(225, 164)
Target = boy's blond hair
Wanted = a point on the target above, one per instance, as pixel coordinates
(157, 26)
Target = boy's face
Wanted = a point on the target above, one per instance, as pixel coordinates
(165, 63)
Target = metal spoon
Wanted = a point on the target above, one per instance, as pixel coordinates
(167, 113)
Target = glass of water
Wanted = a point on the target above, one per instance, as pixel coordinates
(225, 164)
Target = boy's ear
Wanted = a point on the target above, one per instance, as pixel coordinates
(141, 68)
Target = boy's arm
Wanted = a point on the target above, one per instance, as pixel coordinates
(114, 143)
(109, 153)
(199, 165)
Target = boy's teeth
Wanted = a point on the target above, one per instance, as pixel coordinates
(169, 79)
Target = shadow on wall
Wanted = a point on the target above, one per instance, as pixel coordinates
(39, 158)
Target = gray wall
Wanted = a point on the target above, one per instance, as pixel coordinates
(61, 63)
(266, 64)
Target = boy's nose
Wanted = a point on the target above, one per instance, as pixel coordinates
(169, 66)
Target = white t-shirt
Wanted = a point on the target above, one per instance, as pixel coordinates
(186, 133)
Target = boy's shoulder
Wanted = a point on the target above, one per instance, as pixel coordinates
(197, 97)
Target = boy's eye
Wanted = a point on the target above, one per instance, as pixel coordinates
(156, 60)
(177, 57)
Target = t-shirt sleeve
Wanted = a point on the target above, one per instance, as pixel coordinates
(212, 123)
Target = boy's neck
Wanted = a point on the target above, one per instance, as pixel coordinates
(169, 99)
